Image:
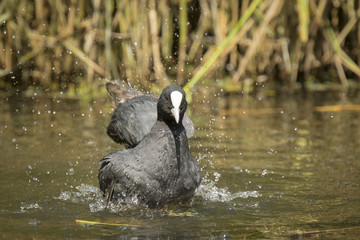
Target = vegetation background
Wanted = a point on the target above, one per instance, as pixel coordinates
(74, 46)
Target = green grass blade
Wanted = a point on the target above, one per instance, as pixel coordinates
(345, 59)
(303, 6)
(222, 46)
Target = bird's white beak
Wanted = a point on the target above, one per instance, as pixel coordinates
(176, 98)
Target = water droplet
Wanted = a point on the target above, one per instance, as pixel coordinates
(70, 172)
(217, 176)
(231, 209)
(224, 235)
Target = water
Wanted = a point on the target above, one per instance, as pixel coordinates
(273, 167)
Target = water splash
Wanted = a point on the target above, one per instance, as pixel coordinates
(93, 196)
(34, 222)
(210, 192)
(24, 207)
(82, 194)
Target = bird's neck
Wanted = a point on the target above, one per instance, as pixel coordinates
(181, 144)
(176, 129)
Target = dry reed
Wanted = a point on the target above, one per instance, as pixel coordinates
(76, 44)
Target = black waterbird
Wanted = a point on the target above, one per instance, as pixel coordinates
(159, 170)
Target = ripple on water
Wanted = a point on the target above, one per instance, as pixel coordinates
(34, 222)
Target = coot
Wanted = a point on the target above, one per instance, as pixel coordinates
(135, 115)
(160, 169)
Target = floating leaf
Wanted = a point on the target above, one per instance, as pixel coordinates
(105, 223)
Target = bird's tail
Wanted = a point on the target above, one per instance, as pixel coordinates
(121, 92)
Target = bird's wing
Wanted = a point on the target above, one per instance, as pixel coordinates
(132, 120)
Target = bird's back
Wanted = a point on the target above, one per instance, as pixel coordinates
(153, 172)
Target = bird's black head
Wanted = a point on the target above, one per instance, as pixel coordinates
(172, 105)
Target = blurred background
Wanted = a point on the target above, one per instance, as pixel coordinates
(75, 46)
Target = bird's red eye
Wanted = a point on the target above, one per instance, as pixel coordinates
(166, 99)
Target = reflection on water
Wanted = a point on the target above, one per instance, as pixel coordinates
(273, 167)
